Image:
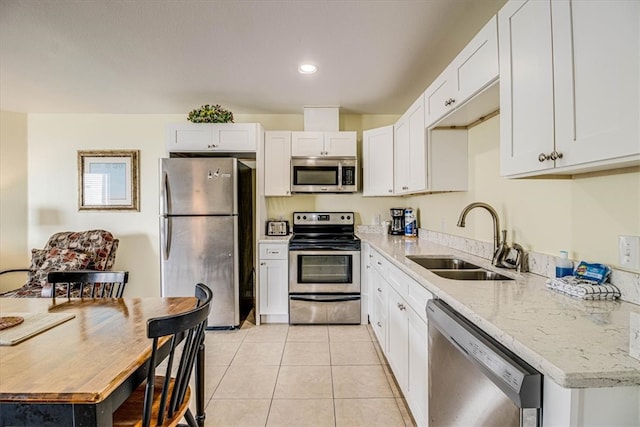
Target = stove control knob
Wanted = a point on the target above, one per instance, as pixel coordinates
(304, 217)
(342, 217)
(348, 216)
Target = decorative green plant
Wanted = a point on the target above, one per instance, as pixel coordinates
(210, 114)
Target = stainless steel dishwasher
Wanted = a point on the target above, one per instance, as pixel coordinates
(474, 380)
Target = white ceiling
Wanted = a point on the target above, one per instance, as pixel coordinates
(170, 56)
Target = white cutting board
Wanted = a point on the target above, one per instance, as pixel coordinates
(33, 324)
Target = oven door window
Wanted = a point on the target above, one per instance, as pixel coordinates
(315, 175)
(330, 269)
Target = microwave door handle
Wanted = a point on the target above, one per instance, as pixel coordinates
(340, 175)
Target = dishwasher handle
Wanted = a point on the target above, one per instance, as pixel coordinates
(517, 379)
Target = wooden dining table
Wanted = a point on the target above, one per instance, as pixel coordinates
(78, 372)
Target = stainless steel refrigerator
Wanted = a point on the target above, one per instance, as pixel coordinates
(206, 233)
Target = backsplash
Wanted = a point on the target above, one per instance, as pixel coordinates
(538, 263)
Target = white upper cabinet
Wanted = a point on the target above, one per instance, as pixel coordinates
(277, 163)
(224, 137)
(437, 97)
(474, 69)
(409, 151)
(377, 153)
(323, 144)
(569, 86)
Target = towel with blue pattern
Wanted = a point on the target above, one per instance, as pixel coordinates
(584, 289)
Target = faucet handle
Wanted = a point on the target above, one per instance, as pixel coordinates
(515, 259)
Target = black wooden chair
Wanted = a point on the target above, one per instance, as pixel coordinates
(164, 400)
(89, 283)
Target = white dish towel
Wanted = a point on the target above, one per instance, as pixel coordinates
(583, 288)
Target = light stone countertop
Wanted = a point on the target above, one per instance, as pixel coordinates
(274, 239)
(577, 343)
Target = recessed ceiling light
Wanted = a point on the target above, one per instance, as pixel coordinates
(307, 69)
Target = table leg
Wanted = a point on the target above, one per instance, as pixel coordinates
(200, 414)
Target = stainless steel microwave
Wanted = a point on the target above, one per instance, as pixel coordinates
(337, 175)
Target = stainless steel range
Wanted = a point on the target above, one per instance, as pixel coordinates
(324, 269)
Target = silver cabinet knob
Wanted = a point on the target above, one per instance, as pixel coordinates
(380, 324)
(379, 290)
(390, 191)
(555, 155)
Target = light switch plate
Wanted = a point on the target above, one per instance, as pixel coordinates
(629, 252)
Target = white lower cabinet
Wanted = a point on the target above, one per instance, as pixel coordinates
(590, 407)
(401, 328)
(274, 283)
(378, 317)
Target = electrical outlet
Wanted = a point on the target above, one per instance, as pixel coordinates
(629, 252)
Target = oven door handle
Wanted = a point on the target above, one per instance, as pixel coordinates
(324, 298)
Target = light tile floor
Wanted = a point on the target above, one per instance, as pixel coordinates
(280, 375)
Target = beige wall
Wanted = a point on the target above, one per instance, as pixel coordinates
(583, 215)
(54, 140)
(14, 252)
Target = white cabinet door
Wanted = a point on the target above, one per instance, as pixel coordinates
(227, 137)
(189, 137)
(340, 144)
(596, 54)
(398, 339)
(418, 382)
(324, 144)
(401, 156)
(417, 147)
(365, 279)
(438, 96)
(277, 163)
(526, 86)
(379, 292)
(274, 280)
(377, 164)
(409, 151)
(569, 86)
(475, 68)
(476, 65)
(305, 144)
(235, 137)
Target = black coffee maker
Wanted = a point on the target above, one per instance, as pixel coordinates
(397, 221)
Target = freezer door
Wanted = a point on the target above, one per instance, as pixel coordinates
(198, 186)
(202, 249)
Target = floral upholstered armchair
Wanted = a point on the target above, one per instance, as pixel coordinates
(66, 251)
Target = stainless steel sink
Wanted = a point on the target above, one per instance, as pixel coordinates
(454, 268)
(432, 263)
(470, 275)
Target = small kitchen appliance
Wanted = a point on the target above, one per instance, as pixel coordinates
(277, 228)
(324, 269)
(397, 221)
(326, 175)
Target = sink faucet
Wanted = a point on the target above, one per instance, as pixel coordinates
(499, 246)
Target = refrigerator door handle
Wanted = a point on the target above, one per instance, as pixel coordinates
(167, 237)
(165, 199)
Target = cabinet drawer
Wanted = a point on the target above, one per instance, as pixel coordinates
(398, 280)
(417, 297)
(380, 263)
(273, 251)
